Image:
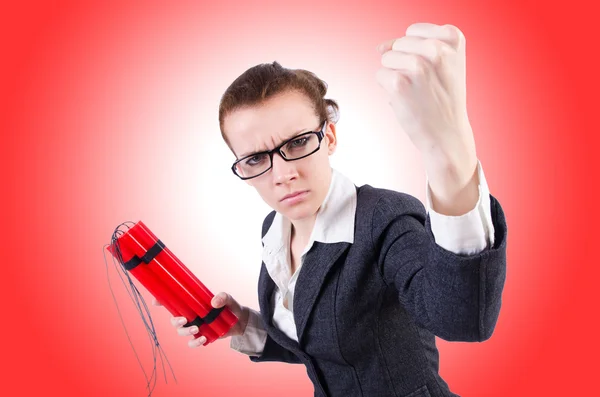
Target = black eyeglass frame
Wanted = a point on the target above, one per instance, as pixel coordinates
(320, 135)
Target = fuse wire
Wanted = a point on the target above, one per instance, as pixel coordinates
(140, 305)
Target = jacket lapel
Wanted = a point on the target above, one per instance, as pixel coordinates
(266, 287)
(317, 264)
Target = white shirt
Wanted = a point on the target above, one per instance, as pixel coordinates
(469, 233)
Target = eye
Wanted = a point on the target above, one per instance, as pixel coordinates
(299, 142)
(255, 160)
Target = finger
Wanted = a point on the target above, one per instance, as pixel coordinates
(430, 49)
(449, 34)
(178, 321)
(393, 81)
(385, 46)
(411, 64)
(186, 331)
(197, 342)
(221, 299)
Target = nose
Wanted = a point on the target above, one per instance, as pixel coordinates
(283, 171)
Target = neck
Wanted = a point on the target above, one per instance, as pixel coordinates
(302, 229)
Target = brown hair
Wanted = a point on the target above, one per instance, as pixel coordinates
(261, 82)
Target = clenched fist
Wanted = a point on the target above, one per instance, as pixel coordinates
(424, 74)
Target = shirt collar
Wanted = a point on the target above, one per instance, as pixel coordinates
(334, 222)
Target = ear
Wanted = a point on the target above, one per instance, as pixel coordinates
(330, 134)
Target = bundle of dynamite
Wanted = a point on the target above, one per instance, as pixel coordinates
(144, 256)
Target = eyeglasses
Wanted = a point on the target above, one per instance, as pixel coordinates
(296, 148)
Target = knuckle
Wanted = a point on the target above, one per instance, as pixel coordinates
(451, 29)
(418, 65)
(455, 33)
(397, 44)
(411, 27)
(439, 46)
(439, 50)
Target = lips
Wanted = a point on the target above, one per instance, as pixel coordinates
(293, 194)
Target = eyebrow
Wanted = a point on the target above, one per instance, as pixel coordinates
(266, 150)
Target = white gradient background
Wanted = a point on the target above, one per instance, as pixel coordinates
(112, 116)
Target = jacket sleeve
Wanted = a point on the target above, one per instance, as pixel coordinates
(258, 345)
(274, 352)
(252, 342)
(457, 297)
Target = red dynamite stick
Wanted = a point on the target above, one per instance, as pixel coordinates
(197, 296)
(170, 267)
(162, 286)
(179, 271)
(195, 307)
(171, 282)
(227, 319)
(172, 302)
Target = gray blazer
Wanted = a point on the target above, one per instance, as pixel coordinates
(367, 313)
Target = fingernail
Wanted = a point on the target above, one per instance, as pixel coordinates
(194, 330)
(181, 321)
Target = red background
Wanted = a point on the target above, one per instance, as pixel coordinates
(108, 111)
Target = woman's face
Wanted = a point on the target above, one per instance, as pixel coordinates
(264, 127)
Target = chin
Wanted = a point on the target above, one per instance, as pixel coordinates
(300, 211)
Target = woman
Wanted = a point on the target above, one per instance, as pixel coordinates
(356, 282)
